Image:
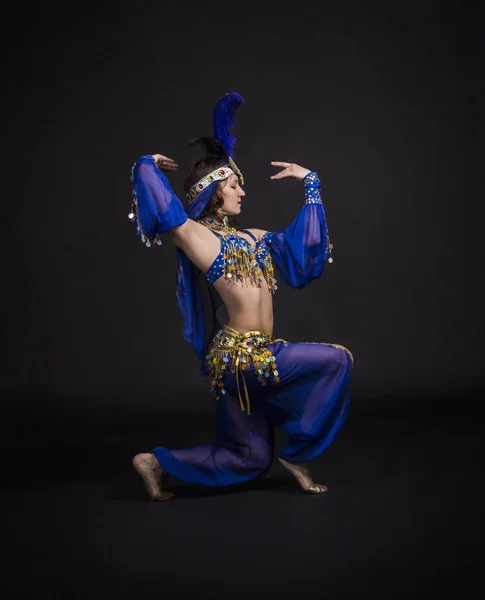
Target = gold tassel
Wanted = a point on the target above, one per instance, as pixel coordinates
(236, 370)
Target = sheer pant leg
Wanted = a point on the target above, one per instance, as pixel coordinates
(243, 448)
(312, 398)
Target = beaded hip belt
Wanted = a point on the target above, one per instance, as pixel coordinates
(245, 351)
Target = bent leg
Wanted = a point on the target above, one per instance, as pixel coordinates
(242, 451)
(312, 397)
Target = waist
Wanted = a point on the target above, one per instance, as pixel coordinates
(229, 339)
(245, 351)
(248, 309)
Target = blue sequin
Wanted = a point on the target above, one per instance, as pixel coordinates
(217, 268)
(312, 188)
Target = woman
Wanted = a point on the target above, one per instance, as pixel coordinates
(259, 382)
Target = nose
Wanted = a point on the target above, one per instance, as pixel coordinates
(242, 193)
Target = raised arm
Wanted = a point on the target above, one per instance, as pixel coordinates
(156, 210)
(301, 250)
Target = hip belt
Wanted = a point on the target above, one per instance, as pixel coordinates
(244, 351)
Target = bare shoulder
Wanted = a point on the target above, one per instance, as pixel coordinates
(198, 243)
(258, 233)
(188, 231)
(192, 234)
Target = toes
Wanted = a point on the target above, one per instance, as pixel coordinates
(160, 496)
(317, 488)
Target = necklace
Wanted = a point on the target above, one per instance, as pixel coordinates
(219, 222)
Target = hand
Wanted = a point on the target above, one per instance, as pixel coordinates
(290, 170)
(164, 163)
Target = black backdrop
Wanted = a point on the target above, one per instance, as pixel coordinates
(383, 99)
(380, 99)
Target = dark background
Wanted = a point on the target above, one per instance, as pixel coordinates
(384, 101)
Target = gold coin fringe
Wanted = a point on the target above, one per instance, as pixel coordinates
(241, 265)
(244, 351)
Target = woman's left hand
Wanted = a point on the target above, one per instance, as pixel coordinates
(290, 170)
(164, 163)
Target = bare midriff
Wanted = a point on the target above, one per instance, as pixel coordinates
(249, 308)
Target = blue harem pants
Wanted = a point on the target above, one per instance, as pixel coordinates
(310, 403)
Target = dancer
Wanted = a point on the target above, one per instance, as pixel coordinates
(259, 382)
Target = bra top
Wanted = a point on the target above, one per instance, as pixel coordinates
(239, 261)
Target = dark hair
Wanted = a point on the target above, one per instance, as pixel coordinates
(216, 157)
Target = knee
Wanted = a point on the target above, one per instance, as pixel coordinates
(335, 356)
(346, 350)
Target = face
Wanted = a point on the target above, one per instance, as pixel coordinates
(232, 194)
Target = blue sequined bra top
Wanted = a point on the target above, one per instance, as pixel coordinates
(239, 261)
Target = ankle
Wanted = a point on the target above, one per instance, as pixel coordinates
(300, 466)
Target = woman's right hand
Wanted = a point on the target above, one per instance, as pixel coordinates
(290, 170)
(164, 163)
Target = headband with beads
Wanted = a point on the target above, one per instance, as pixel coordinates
(216, 175)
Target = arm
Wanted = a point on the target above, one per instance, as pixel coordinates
(156, 210)
(155, 207)
(301, 250)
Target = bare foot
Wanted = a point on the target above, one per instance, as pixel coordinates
(301, 474)
(151, 472)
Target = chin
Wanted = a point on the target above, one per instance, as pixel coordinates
(233, 213)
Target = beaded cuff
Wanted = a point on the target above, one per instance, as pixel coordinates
(312, 188)
(312, 196)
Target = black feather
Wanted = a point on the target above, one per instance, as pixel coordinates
(211, 145)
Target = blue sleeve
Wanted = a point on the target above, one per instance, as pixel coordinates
(301, 250)
(155, 207)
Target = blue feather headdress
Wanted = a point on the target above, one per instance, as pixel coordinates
(223, 121)
(221, 145)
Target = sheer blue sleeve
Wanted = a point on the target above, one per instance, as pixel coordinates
(155, 207)
(301, 250)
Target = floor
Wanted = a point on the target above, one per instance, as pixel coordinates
(402, 518)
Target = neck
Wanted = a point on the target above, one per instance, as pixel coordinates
(220, 221)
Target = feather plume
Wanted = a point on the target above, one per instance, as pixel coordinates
(224, 120)
(212, 146)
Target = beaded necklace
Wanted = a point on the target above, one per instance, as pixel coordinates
(242, 262)
(219, 222)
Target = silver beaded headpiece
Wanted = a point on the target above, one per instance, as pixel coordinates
(216, 175)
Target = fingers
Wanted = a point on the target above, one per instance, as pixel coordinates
(280, 164)
(165, 163)
(285, 173)
(290, 170)
(281, 174)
